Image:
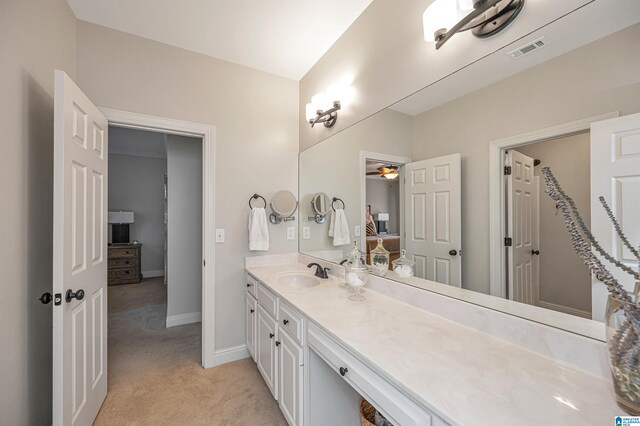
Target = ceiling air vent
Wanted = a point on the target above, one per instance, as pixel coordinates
(528, 48)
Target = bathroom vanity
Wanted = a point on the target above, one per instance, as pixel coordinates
(320, 353)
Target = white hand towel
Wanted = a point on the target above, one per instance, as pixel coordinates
(258, 231)
(332, 221)
(340, 229)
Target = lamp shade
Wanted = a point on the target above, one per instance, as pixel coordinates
(440, 14)
(382, 217)
(120, 217)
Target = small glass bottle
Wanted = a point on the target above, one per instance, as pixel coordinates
(403, 267)
(379, 259)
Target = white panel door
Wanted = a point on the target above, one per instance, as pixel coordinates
(520, 227)
(79, 256)
(433, 223)
(615, 175)
(250, 318)
(290, 380)
(266, 350)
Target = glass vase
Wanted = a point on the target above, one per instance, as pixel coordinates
(624, 352)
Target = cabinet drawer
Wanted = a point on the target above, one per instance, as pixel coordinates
(252, 285)
(395, 406)
(122, 263)
(115, 253)
(268, 301)
(291, 321)
(123, 273)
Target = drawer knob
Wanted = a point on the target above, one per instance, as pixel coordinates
(343, 371)
(285, 322)
(277, 343)
(253, 310)
(271, 335)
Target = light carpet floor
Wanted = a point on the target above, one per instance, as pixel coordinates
(155, 373)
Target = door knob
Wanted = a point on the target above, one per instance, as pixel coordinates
(535, 252)
(285, 321)
(343, 371)
(277, 343)
(271, 335)
(453, 252)
(46, 298)
(253, 310)
(78, 295)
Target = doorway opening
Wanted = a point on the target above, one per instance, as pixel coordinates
(200, 138)
(536, 271)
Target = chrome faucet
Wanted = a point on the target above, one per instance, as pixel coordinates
(320, 271)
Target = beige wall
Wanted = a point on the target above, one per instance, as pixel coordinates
(564, 279)
(333, 167)
(137, 184)
(35, 38)
(256, 119)
(184, 227)
(595, 79)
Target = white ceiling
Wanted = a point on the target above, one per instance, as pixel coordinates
(283, 37)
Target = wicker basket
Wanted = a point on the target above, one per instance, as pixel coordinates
(367, 413)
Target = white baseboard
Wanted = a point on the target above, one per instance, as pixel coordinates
(565, 309)
(183, 319)
(231, 354)
(155, 273)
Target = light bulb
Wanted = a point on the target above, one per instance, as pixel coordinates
(310, 112)
(321, 102)
(440, 14)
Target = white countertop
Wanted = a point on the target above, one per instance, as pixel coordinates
(465, 376)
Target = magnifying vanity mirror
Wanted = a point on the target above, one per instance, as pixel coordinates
(466, 198)
(320, 204)
(283, 205)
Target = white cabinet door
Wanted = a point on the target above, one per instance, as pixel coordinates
(290, 379)
(250, 327)
(266, 349)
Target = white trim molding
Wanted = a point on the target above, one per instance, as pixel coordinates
(564, 309)
(231, 354)
(182, 319)
(496, 188)
(153, 274)
(208, 134)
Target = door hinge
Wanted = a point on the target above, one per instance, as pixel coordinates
(204, 262)
(508, 241)
(507, 170)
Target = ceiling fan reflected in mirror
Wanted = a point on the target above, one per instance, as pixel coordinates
(389, 172)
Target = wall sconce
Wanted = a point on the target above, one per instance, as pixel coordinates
(324, 107)
(483, 17)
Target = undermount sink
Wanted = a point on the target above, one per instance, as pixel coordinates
(298, 280)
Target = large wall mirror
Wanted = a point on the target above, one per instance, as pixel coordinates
(428, 176)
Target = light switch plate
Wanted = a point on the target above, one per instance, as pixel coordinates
(357, 230)
(306, 232)
(219, 235)
(291, 233)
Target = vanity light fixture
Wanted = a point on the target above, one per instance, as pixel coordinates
(483, 17)
(324, 107)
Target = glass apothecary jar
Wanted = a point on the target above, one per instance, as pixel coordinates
(379, 259)
(403, 267)
(356, 275)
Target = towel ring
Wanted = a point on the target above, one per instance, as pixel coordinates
(337, 199)
(255, 197)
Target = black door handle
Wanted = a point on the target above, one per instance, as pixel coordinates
(271, 335)
(343, 371)
(253, 310)
(535, 252)
(453, 252)
(285, 321)
(277, 343)
(46, 298)
(78, 295)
